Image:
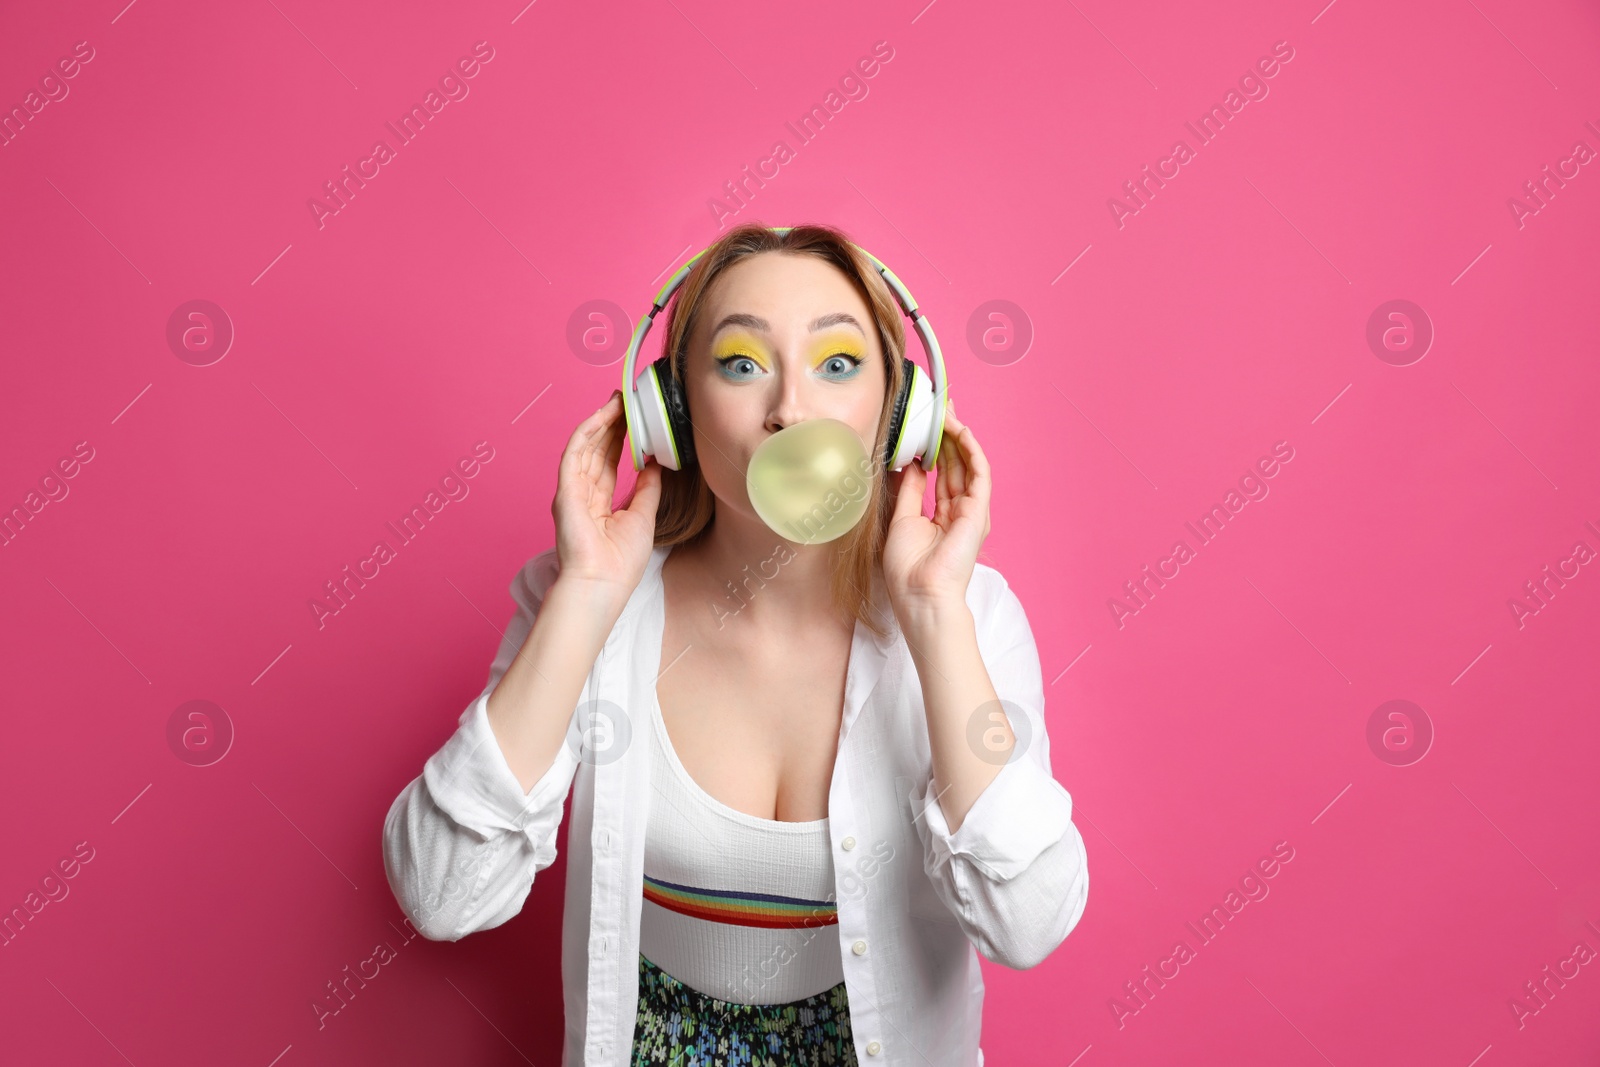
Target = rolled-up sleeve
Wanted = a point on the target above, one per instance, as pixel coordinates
(1015, 874)
(462, 842)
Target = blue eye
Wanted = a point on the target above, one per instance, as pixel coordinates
(727, 363)
(852, 365)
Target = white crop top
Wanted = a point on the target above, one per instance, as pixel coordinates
(737, 907)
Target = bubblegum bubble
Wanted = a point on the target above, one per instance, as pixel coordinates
(811, 482)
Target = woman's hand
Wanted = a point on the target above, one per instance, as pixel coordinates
(596, 546)
(927, 563)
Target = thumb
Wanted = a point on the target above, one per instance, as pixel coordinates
(647, 490)
(913, 484)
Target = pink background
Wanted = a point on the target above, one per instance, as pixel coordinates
(1228, 314)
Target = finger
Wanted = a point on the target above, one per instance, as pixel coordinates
(610, 464)
(604, 437)
(913, 484)
(647, 491)
(583, 434)
(952, 461)
(976, 465)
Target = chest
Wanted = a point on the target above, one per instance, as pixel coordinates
(758, 732)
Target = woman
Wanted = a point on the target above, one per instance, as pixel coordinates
(811, 782)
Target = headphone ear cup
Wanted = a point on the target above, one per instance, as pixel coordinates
(677, 405)
(897, 417)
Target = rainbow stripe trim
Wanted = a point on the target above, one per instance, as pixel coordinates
(741, 909)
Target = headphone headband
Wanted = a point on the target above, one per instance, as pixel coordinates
(917, 424)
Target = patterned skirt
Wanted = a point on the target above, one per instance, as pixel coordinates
(682, 1027)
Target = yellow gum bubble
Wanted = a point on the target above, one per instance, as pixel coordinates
(811, 482)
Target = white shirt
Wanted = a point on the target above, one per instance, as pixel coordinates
(916, 903)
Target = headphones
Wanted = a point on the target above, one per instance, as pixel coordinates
(657, 411)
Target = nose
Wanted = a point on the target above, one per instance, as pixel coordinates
(790, 405)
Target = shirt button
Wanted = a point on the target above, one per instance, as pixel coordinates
(873, 1048)
(848, 843)
(859, 948)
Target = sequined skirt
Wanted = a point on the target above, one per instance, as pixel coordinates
(679, 1026)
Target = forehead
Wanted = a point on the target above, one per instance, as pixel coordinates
(783, 288)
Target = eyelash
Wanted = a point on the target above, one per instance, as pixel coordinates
(725, 361)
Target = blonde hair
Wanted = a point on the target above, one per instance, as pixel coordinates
(687, 505)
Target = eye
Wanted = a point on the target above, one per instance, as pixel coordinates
(732, 366)
(841, 365)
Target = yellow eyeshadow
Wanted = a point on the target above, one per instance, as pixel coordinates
(842, 344)
(742, 345)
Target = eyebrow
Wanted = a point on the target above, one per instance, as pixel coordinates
(755, 322)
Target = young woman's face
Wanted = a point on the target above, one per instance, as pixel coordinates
(780, 339)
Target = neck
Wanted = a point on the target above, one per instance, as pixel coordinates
(778, 581)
